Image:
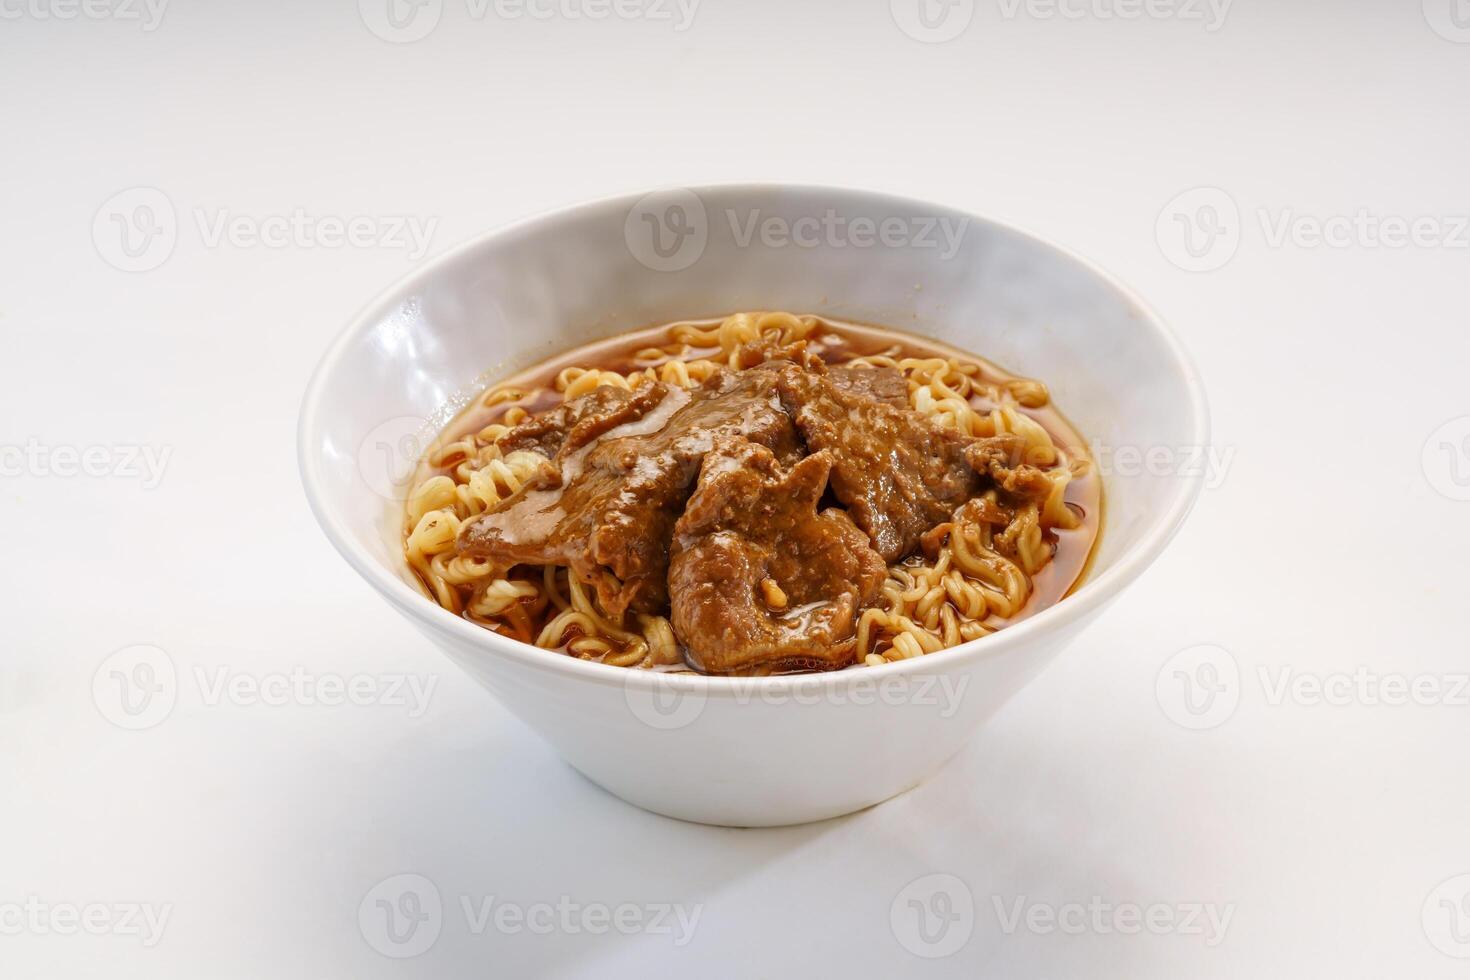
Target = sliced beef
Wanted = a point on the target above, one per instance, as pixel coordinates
(1002, 458)
(770, 348)
(759, 580)
(898, 474)
(882, 384)
(575, 423)
(607, 509)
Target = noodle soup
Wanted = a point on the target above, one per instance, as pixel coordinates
(766, 493)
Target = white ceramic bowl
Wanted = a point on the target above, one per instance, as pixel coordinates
(777, 750)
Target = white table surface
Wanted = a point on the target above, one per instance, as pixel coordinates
(1323, 831)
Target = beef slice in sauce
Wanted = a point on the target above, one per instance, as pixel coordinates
(607, 508)
(1002, 458)
(878, 382)
(759, 580)
(897, 473)
(882, 384)
(575, 423)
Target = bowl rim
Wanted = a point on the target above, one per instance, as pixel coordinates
(1093, 594)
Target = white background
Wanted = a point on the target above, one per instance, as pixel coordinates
(1332, 544)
